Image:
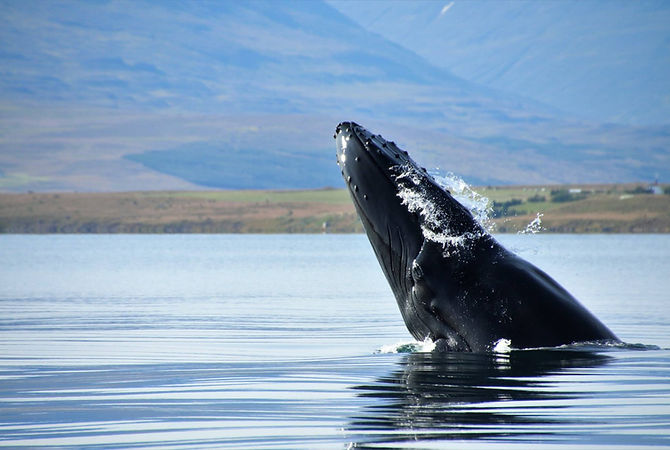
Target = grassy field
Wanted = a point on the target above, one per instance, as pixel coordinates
(619, 208)
(327, 196)
(179, 212)
(581, 209)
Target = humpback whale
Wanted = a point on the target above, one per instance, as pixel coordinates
(453, 282)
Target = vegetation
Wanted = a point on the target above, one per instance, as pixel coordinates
(564, 195)
(502, 209)
(597, 208)
(537, 198)
(639, 190)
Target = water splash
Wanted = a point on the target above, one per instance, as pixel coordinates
(414, 196)
(479, 205)
(534, 227)
(424, 346)
(502, 346)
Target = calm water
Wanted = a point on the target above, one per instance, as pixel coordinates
(272, 341)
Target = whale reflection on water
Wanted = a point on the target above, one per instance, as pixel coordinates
(444, 396)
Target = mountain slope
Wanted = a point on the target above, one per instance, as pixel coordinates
(257, 56)
(122, 95)
(604, 60)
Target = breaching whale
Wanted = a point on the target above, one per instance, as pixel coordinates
(453, 282)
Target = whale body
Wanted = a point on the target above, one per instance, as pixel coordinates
(453, 282)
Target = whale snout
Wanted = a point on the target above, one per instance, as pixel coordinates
(367, 160)
(386, 153)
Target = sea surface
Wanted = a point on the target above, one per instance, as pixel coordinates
(243, 341)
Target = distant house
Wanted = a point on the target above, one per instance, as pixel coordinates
(575, 191)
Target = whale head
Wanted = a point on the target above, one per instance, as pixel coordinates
(411, 222)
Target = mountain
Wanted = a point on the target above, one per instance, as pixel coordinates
(148, 94)
(608, 61)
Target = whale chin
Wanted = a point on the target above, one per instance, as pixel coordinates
(453, 282)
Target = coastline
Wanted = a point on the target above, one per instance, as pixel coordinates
(612, 208)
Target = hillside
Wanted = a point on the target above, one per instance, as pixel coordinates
(605, 61)
(128, 96)
(597, 208)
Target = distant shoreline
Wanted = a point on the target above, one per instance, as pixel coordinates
(605, 208)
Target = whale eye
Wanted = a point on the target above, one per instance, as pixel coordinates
(417, 271)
